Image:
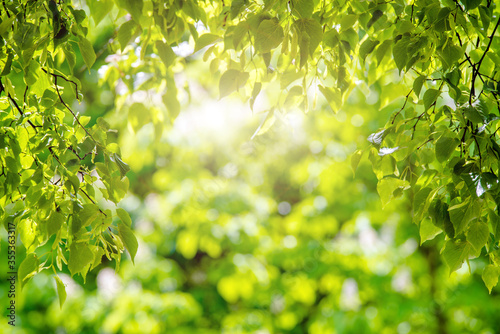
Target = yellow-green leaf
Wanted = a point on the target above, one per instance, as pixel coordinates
(54, 223)
(166, 53)
(477, 235)
(61, 290)
(28, 268)
(80, 256)
(231, 81)
(430, 97)
(455, 253)
(417, 85)
(124, 216)
(313, 30)
(125, 33)
(206, 40)
(269, 35)
(87, 51)
(129, 239)
(490, 276)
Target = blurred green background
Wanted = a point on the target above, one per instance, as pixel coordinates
(270, 234)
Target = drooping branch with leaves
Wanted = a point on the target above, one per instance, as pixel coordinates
(433, 65)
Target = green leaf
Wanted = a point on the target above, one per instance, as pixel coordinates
(477, 235)
(255, 92)
(134, 7)
(494, 221)
(473, 115)
(6, 24)
(166, 53)
(387, 186)
(428, 230)
(54, 223)
(485, 16)
(138, 116)
(122, 166)
(347, 21)
(87, 51)
(124, 216)
(76, 224)
(73, 182)
(231, 81)
(88, 214)
(125, 33)
(11, 164)
(99, 9)
(461, 214)
(331, 38)
(129, 239)
(375, 16)
(367, 47)
(355, 159)
(313, 30)
(170, 99)
(27, 233)
(490, 276)
(98, 254)
(265, 125)
(471, 4)
(117, 188)
(430, 97)
(289, 77)
(206, 40)
(304, 8)
(417, 84)
(80, 256)
(442, 23)
(445, 146)
(382, 50)
(8, 64)
(420, 198)
(333, 96)
(450, 55)
(268, 36)
(79, 15)
(61, 290)
(455, 253)
(350, 37)
(237, 6)
(441, 216)
(28, 268)
(70, 56)
(399, 52)
(239, 32)
(304, 48)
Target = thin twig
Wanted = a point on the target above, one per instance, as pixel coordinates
(71, 111)
(476, 71)
(63, 77)
(404, 105)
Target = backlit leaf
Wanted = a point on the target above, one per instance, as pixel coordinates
(445, 146)
(129, 239)
(206, 40)
(268, 36)
(80, 256)
(490, 276)
(87, 51)
(430, 97)
(61, 290)
(231, 81)
(455, 253)
(28, 268)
